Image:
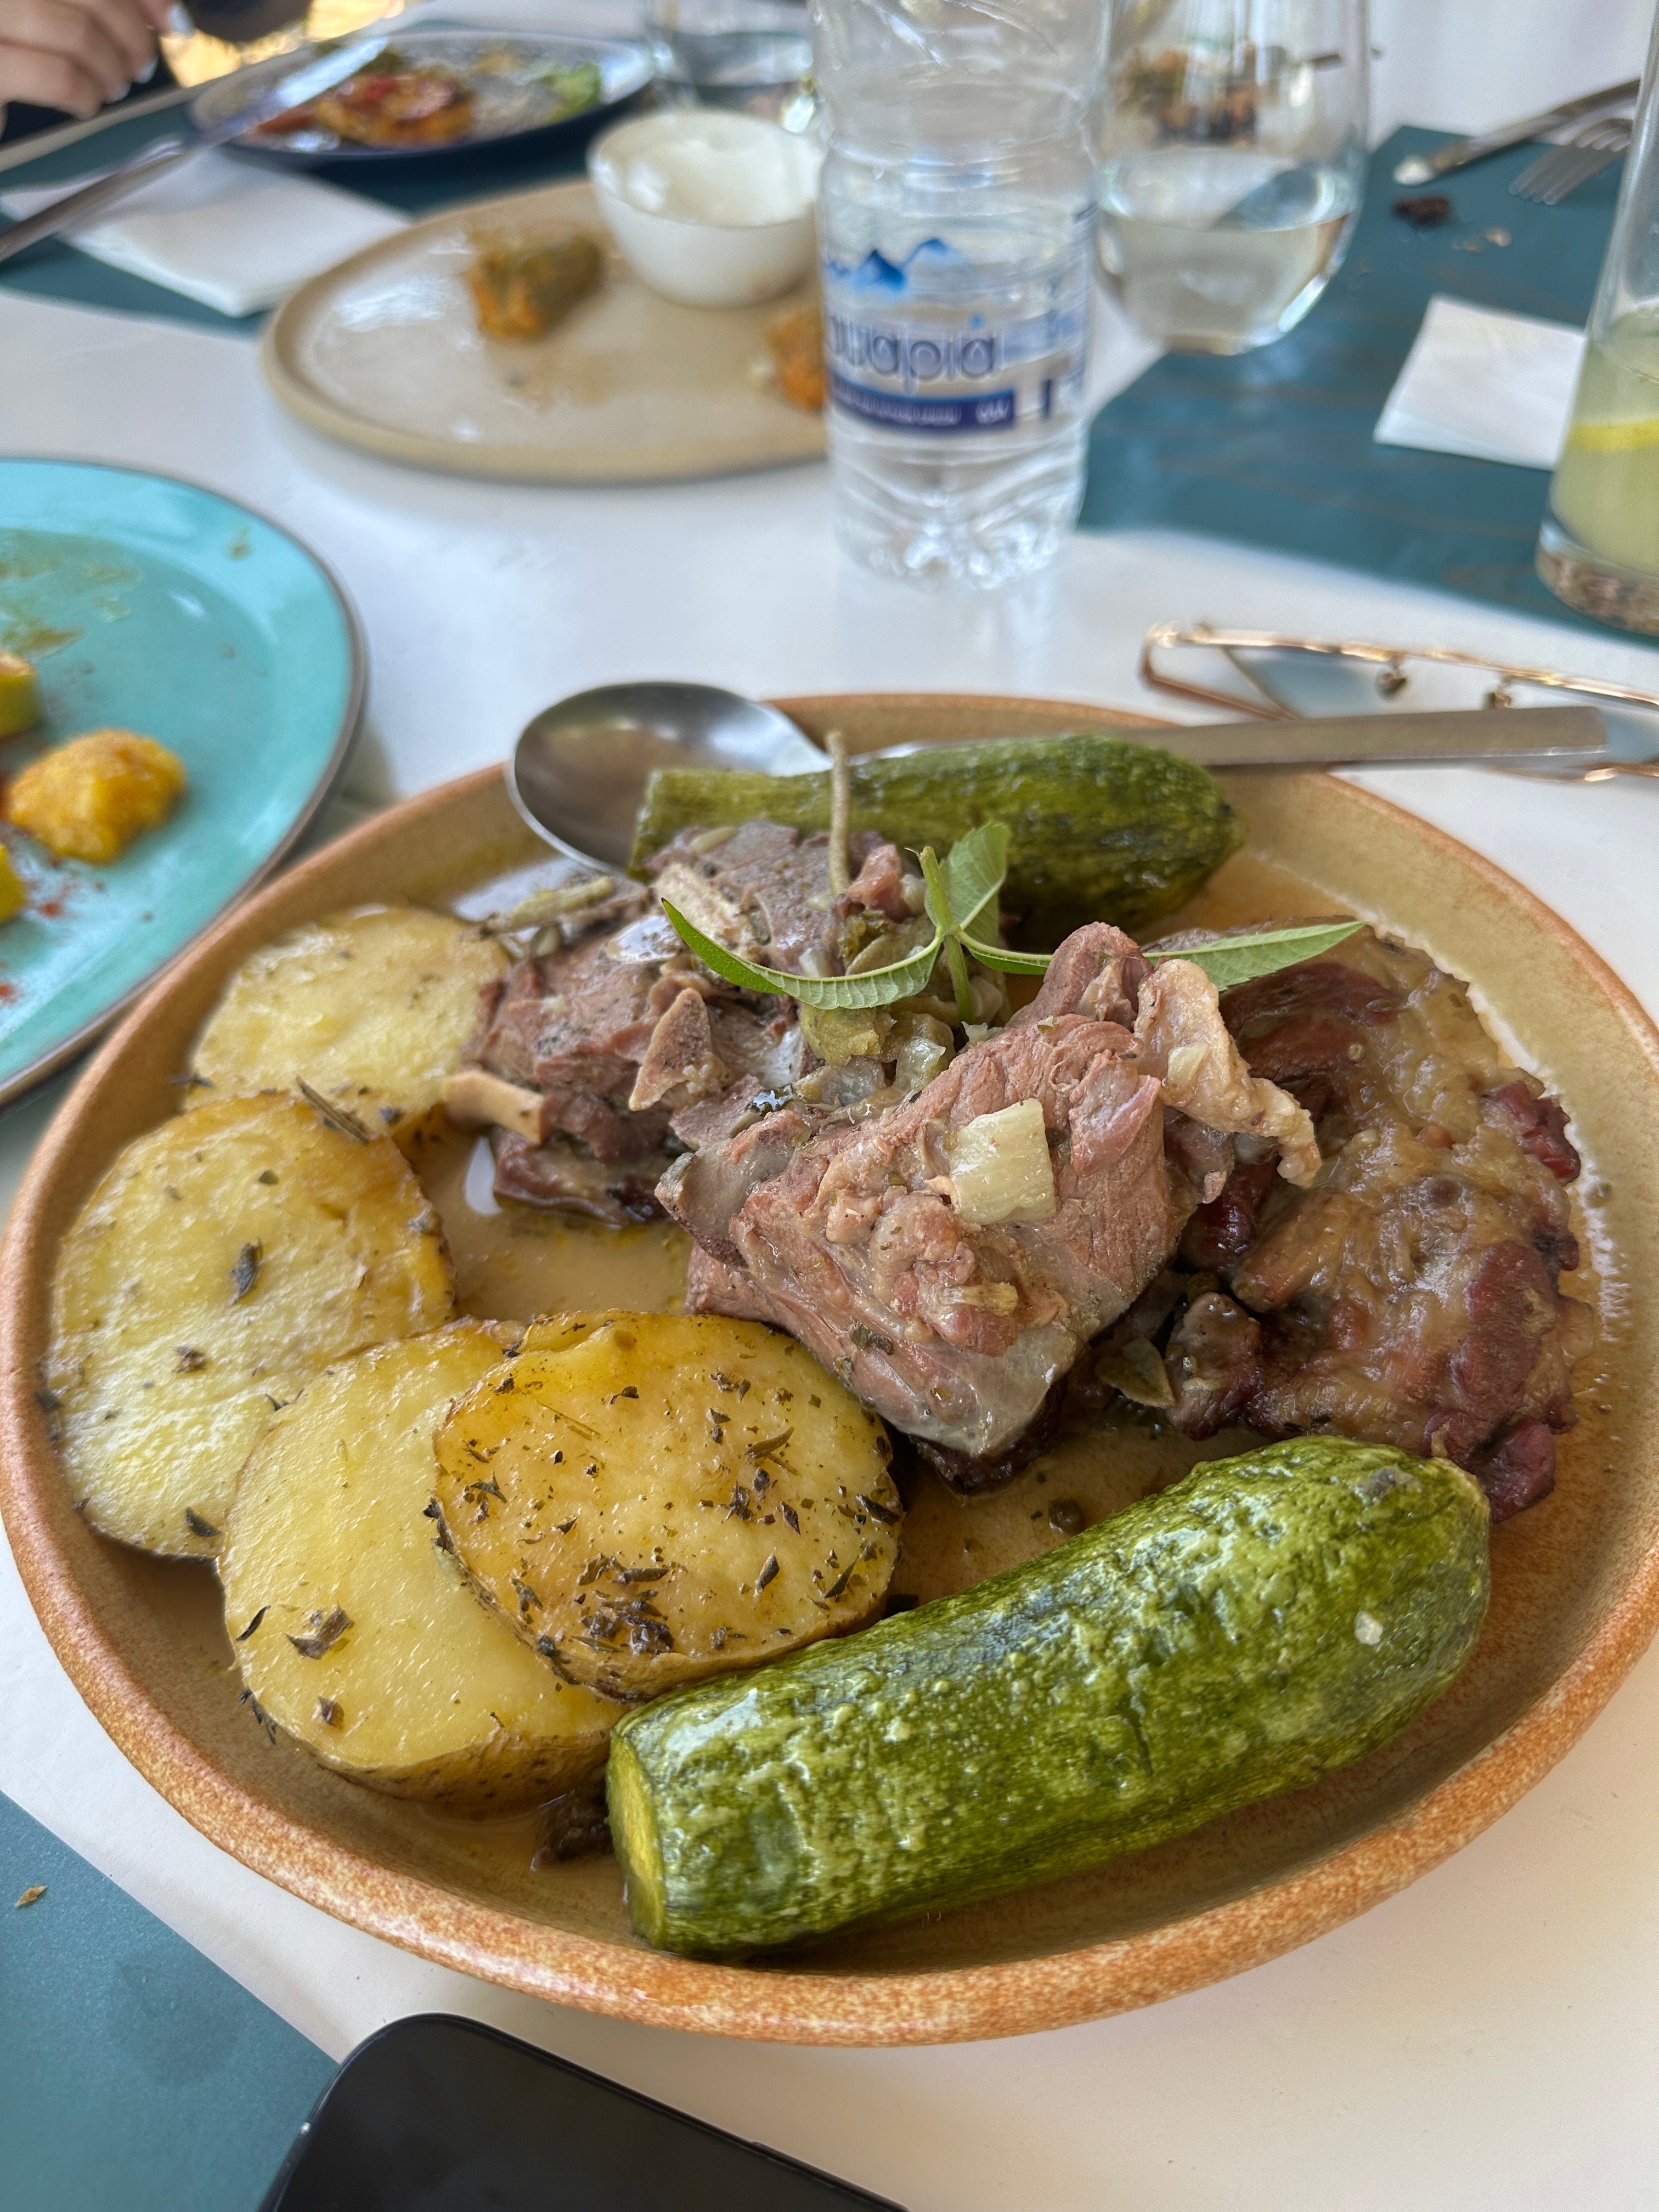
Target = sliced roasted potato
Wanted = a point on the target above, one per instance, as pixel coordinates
(371, 1009)
(667, 1499)
(224, 1259)
(355, 1628)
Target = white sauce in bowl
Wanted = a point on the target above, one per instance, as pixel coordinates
(732, 171)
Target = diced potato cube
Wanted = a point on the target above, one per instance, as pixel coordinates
(20, 695)
(13, 896)
(88, 800)
(1000, 1166)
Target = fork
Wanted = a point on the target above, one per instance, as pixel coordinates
(1559, 170)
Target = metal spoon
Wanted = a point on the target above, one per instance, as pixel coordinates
(578, 772)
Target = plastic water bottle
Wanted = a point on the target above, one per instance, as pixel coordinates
(955, 216)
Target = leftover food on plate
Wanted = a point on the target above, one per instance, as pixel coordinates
(794, 341)
(964, 1177)
(572, 88)
(406, 102)
(519, 292)
(89, 799)
(392, 104)
(14, 892)
(20, 695)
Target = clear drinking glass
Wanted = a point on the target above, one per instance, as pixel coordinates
(733, 53)
(1599, 547)
(1231, 141)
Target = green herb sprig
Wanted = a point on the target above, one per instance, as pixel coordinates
(958, 893)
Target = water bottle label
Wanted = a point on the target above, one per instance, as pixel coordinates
(900, 360)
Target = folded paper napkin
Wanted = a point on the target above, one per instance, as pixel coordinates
(235, 236)
(1477, 381)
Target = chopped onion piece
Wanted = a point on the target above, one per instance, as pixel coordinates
(924, 1051)
(1136, 1371)
(1001, 1168)
(1185, 1061)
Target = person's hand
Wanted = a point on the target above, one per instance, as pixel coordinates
(76, 54)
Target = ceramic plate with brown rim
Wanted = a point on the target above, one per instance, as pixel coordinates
(1576, 1579)
(383, 352)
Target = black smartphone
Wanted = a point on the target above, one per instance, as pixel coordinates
(441, 2115)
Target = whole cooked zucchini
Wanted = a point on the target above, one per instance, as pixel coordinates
(1267, 1619)
(1100, 829)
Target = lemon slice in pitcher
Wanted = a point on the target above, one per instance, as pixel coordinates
(1615, 437)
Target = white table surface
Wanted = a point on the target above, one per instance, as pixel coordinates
(1491, 2037)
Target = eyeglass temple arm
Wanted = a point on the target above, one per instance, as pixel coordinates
(1232, 642)
(1272, 710)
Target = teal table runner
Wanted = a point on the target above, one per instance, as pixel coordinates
(133, 2073)
(1274, 448)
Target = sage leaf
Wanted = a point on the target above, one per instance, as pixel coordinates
(1008, 962)
(938, 901)
(1242, 959)
(974, 870)
(876, 987)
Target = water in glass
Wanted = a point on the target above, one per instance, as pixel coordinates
(1231, 137)
(739, 54)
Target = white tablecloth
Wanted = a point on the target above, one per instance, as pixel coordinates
(1491, 2037)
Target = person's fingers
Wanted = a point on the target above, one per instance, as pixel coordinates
(165, 15)
(55, 26)
(47, 80)
(124, 25)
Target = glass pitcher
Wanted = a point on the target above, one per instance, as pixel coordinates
(1599, 547)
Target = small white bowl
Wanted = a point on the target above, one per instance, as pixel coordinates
(711, 208)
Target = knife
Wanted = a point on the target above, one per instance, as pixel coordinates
(13, 156)
(1424, 169)
(292, 89)
(1492, 737)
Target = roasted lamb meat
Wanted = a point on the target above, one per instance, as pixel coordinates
(608, 1050)
(1412, 1296)
(1324, 1201)
(950, 1256)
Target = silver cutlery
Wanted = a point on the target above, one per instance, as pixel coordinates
(579, 770)
(1424, 169)
(70, 134)
(288, 86)
(1559, 170)
(1553, 738)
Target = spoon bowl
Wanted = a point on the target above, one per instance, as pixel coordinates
(579, 770)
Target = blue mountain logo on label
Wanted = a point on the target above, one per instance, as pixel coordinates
(876, 273)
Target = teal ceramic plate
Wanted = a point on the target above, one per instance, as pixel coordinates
(157, 606)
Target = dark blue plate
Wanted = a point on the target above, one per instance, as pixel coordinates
(508, 73)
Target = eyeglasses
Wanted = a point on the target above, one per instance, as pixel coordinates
(1274, 679)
